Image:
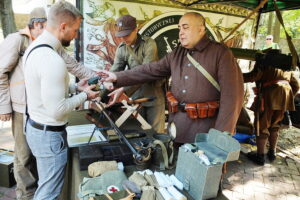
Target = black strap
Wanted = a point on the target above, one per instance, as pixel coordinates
(38, 46)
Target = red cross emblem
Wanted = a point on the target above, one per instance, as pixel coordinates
(112, 189)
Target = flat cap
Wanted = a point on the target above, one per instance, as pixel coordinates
(38, 13)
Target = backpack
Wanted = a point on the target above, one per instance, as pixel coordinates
(23, 45)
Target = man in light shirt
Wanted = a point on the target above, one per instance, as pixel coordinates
(47, 88)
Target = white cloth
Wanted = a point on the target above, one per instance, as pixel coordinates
(47, 83)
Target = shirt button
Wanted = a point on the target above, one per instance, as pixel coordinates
(189, 65)
(186, 77)
(183, 91)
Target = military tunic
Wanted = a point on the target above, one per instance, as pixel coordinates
(145, 51)
(278, 96)
(190, 86)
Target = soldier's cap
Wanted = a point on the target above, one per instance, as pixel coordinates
(125, 25)
(38, 13)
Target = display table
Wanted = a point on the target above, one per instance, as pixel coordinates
(74, 176)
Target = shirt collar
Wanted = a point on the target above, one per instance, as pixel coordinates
(52, 40)
(202, 44)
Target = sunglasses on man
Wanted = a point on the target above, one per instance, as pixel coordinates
(268, 39)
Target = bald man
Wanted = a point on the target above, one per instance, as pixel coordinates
(197, 102)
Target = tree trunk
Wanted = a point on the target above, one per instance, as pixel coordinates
(7, 17)
(276, 30)
(270, 23)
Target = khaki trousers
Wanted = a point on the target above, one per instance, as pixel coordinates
(25, 171)
(269, 123)
(155, 116)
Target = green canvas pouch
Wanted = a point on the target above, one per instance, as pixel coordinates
(121, 195)
(108, 182)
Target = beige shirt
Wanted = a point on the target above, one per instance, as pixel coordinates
(47, 83)
(12, 86)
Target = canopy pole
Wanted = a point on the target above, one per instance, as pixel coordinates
(261, 5)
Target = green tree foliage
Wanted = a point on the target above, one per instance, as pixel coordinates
(291, 21)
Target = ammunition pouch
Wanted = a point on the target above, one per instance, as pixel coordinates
(172, 103)
(193, 110)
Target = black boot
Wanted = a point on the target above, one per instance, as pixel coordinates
(256, 158)
(271, 155)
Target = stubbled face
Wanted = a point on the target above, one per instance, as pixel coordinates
(131, 38)
(190, 31)
(70, 31)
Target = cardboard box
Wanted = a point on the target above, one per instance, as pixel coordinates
(6, 168)
(202, 181)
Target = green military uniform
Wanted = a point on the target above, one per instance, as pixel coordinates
(142, 52)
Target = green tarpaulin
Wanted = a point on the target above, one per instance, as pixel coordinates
(248, 4)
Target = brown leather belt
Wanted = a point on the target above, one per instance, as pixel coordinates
(46, 127)
(193, 110)
(274, 82)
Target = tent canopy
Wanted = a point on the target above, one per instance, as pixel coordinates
(247, 4)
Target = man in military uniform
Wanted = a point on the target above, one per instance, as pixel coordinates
(196, 95)
(136, 50)
(277, 90)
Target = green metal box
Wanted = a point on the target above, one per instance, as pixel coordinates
(202, 181)
(6, 169)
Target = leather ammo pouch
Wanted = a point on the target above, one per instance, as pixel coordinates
(172, 103)
(212, 108)
(202, 109)
(191, 110)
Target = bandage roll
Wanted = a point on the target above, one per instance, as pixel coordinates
(166, 179)
(166, 194)
(161, 181)
(176, 194)
(176, 182)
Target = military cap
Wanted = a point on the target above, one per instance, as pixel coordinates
(125, 25)
(38, 13)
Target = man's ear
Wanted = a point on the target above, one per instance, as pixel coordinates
(62, 26)
(202, 29)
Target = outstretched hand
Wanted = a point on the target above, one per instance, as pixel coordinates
(107, 76)
(114, 96)
(90, 93)
(82, 84)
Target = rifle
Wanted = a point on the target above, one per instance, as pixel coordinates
(258, 106)
(140, 155)
(265, 58)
